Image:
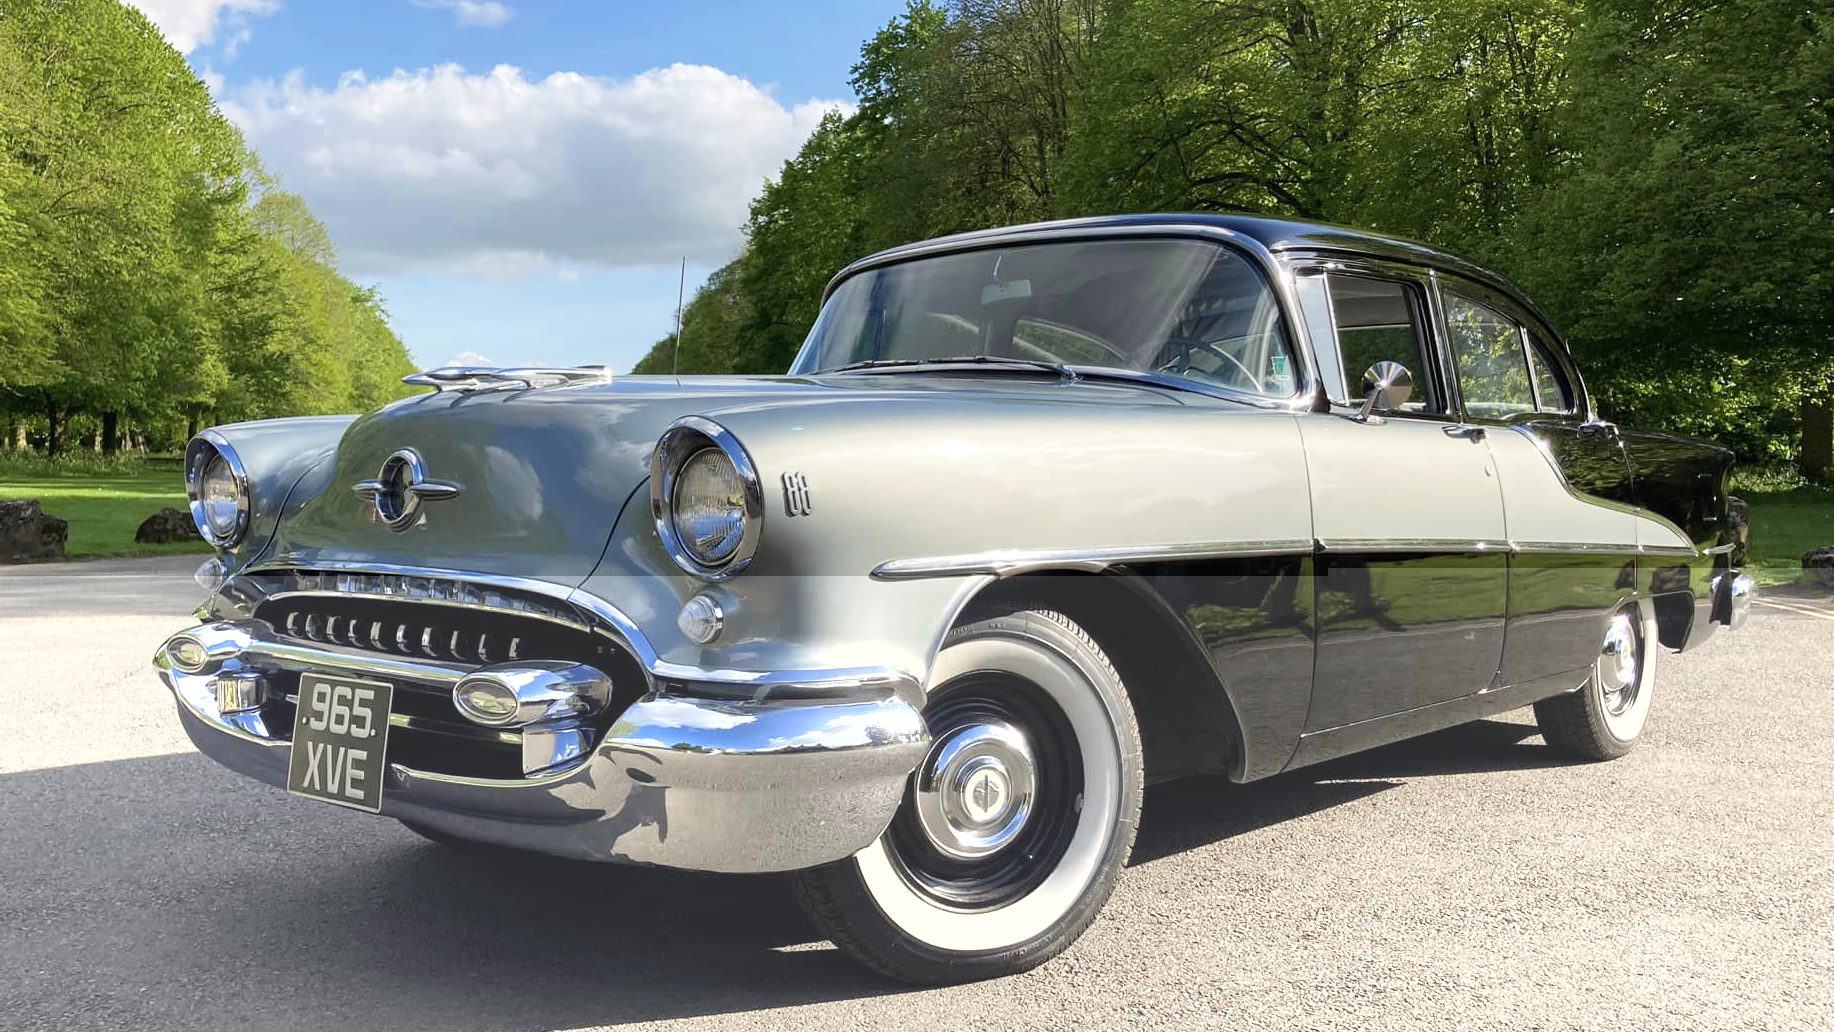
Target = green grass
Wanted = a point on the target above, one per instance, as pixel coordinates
(1785, 524)
(104, 508)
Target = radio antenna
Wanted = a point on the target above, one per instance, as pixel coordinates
(681, 294)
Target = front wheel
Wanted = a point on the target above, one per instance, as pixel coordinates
(1605, 717)
(1016, 824)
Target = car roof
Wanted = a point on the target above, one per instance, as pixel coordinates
(1274, 234)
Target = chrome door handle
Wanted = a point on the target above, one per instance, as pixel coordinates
(1465, 430)
(1598, 428)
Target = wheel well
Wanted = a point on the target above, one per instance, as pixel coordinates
(1187, 724)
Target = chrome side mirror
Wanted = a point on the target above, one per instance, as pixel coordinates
(1387, 385)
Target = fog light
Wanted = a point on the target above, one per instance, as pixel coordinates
(187, 654)
(701, 619)
(486, 701)
(538, 691)
(240, 692)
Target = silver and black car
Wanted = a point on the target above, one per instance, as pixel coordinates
(1040, 516)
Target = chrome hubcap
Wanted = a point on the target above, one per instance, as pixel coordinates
(974, 790)
(1616, 669)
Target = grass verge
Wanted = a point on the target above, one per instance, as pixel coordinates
(103, 509)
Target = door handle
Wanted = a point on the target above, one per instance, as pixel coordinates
(1465, 430)
(1598, 428)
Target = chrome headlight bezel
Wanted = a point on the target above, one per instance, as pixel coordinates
(684, 439)
(204, 449)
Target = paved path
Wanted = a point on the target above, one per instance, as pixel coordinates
(1471, 879)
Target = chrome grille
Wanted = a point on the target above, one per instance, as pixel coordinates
(426, 634)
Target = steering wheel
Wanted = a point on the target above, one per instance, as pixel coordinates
(1187, 346)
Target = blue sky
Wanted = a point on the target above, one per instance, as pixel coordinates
(520, 178)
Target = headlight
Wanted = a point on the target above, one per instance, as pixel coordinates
(220, 498)
(709, 507)
(217, 487)
(704, 491)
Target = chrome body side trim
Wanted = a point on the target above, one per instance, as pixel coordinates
(1399, 545)
(680, 781)
(1570, 547)
(1011, 562)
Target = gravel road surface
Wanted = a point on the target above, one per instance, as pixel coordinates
(1470, 879)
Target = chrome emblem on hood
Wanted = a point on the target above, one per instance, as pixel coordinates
(396, 493)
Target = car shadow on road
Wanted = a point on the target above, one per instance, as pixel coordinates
(192, 898)
(1201, 811)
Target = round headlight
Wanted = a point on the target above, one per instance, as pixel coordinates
(220, 498)
(708, 505)
(217, 487)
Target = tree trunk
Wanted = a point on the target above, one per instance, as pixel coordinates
(54, 436)
(191, 427)
(111, 432)
(1817, 459)
(19, 440)
(6, 440)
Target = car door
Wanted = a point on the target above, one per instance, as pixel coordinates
(1412, 571)
(1567, 491)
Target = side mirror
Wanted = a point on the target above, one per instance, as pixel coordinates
(1387, 385)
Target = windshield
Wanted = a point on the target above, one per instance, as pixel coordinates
(1186, 308)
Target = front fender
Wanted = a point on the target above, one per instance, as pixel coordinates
(278, 457)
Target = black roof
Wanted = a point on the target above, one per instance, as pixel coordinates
(1275, 234)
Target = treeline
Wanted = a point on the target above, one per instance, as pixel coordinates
(1658, 174)
(152, 276)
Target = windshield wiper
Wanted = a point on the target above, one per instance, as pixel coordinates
(989, 360)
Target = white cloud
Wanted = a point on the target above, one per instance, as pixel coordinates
(496, 174)
(470, 358)
(189, 24)
(567, 275)
(475, 14)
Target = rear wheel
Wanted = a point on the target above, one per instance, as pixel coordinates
(1604, 719)
(1016, 824)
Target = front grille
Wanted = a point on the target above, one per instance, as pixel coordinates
(427, 630)
(441, 622)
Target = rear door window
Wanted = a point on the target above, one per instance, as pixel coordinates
(1488, 354)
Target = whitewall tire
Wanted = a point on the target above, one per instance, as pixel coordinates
(1016, 824)
(1604, 718)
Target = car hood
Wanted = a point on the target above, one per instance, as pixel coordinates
(543, 475)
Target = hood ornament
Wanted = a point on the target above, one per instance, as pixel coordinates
(395, 495)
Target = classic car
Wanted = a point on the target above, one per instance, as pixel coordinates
(1040, 516)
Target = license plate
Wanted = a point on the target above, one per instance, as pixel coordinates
(340, 736)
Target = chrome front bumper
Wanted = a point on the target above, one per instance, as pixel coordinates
(791, 781)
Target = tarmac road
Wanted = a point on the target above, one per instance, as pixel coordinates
(1471, 879)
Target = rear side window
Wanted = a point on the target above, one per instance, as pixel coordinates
(1552, 392)
(1487, 351)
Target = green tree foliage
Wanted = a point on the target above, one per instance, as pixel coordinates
(1656, 172)
(143, 276)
